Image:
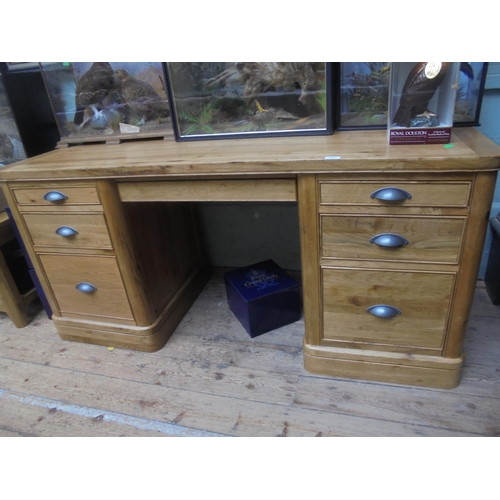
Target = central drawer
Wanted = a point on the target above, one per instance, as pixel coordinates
(68, 230)
(413, 306)
(427, 239)
(109, 298)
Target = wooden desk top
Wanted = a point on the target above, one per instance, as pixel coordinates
(356, 151)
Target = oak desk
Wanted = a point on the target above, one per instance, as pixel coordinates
(391, 240)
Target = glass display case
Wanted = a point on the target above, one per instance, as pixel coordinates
(422, 102)
(108, 101)
(470, 90)
(363, 95)
(11, 146)
(212, 100)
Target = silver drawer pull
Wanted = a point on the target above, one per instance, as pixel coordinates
(86, 287)
(389, 240)
(391, 194)
(54, 196)
(66, 231)
(383, 311)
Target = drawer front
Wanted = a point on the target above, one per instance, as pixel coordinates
(423, 300)
(66, 271)
(392, 238)
(74, 195)
(422, 194)
(56, 230)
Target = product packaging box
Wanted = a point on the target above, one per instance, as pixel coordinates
(263, 297)
(422, 101)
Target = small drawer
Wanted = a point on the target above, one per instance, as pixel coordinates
(60, 195)
(68, 230)
(395, 193)
(420, 303)
(109, 298)
(412, 239)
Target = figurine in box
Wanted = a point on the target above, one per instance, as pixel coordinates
(422, 102)
(104, 101)
(220, 100)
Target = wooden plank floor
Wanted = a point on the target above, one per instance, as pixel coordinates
(212, 379)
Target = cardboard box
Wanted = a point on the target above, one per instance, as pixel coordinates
(422, 102)
(263, 297)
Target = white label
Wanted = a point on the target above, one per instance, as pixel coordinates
(432, 69)
(125, 128)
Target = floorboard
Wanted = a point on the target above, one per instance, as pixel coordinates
(212, 379)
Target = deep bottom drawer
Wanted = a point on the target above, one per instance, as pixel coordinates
(422, 301)
(65, 272)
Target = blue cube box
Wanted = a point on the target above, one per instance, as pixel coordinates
(263, 297)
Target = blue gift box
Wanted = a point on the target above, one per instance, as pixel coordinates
(263, 297)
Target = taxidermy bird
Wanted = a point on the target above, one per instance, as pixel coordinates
(260, 77)
(142, 97)
(264, 116)
(92, 88)
(11, 149)
(102, 119)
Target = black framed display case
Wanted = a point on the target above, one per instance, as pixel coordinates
(11, 145)
(219, 100)
(108, 101)
(472, 78)
(421, 102)
(362, 95)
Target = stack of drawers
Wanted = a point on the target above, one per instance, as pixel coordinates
(389, 251)
(70, 237)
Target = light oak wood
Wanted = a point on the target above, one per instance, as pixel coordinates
(482, 195)
(91, 228)
(208, 190)
(12, 301)
(128, 265)
(423, 194)
(66, 271)
(428, 239)
(374, 369)
(422, 298)
(309, 246)
(365, 151)
(145, 190)
(77, 195)
(150, 338)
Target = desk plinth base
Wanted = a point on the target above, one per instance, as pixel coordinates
(394, 368)
(148, 339)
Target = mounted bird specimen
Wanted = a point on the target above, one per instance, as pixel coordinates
(92, 88)
(11, 149)
(260, 77)
(142, 98)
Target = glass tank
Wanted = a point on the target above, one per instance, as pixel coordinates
(221, 100)
(108, 101)
(363, 95)
(470, 90)
(11, 145)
